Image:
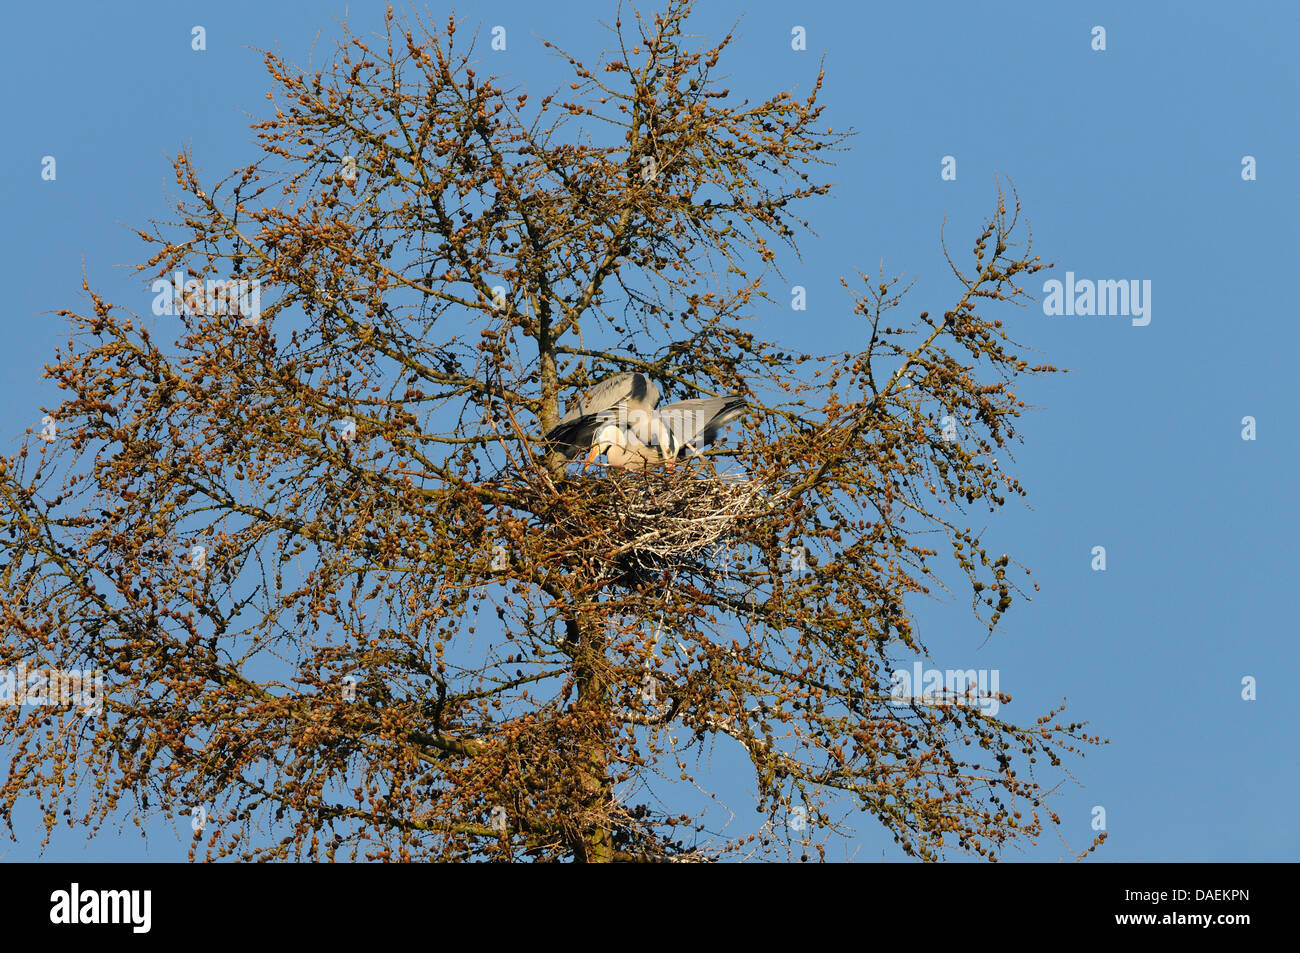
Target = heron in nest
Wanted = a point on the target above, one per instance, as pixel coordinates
(620, 418)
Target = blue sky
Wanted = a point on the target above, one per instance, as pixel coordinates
(1129, 164)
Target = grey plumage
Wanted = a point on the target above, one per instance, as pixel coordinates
(583, 417)
(694, 424)
(618, 417)
(635, 388)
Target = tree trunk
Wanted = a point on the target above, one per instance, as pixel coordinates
(592, 835)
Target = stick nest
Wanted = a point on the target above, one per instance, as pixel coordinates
(657, 516)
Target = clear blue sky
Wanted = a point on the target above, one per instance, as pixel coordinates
(1129, 164)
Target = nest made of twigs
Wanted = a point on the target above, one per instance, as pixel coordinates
(660, 514)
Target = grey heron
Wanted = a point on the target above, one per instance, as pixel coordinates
(618, 417)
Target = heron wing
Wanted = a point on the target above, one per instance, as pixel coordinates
(631, 386)
(697, 422)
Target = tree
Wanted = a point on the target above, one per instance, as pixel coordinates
(345, 599)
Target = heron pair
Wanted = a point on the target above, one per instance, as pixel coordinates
(620, 418)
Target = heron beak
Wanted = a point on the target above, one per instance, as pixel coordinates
(591, 457)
